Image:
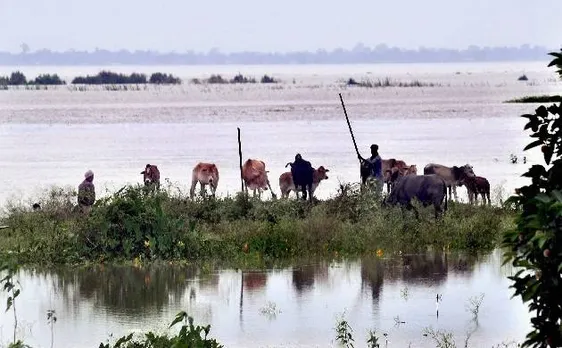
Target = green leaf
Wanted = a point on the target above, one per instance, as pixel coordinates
(533, 144)
(179, 318)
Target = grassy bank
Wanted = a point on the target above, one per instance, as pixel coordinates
(132, 225)
(537, 99)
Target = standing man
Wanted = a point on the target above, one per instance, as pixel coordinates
(86, 193)
(373, 168)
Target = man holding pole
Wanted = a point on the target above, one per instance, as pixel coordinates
(374, 163)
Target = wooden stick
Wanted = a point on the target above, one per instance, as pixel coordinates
(349, 125)
(240, 158)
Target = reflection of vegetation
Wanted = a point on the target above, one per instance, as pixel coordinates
(126, 289)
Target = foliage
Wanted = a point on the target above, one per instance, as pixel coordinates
(160, 78)
(242, 79)
(17, 78)
(133, 223)
(535, 246)
(48, 79)
(388, 82)
(10, 286)
(537, 99)
(268, 79)
(108, 77)
(344, 333)
(189, 336)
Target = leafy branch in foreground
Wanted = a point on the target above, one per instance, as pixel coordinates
(188, 336)
(535, 245)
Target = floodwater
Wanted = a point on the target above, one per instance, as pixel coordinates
(52, 137)
(293, 306)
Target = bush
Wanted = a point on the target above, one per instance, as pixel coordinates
(47, 79)
(534, 246)
(160, 78)
(108, 77)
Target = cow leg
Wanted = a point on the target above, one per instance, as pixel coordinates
(310, 192)
(203, 193)
(455, 192)
(410, 206)
(192, 190)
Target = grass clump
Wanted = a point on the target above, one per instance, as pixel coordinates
(388, 82)
(537, 99)
(134, 225)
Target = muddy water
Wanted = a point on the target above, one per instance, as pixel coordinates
(294, 305)
(52, 137)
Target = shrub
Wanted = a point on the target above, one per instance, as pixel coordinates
(534, 246)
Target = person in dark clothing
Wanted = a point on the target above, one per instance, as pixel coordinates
(374, 164)
(87, 193)
(302, 173)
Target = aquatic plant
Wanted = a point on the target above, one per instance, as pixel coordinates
(534, 246)
(344, 331)
(189, 336)
(372, 339)
(388, 82)
(442, 339)
(473, 305)
(11, 287)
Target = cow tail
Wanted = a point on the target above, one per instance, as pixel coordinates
(446, 199)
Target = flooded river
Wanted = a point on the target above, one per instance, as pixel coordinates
(292, 306)
(51, 137)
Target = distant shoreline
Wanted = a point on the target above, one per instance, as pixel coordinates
(360, 54)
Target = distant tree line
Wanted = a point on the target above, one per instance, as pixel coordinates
(359, 54)
(17, 78)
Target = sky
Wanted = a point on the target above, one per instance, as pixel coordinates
(281, 26)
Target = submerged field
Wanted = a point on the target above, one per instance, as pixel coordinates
(131, 225)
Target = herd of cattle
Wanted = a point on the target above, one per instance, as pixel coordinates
(402, 181)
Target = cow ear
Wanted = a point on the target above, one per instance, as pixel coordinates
(142, 172)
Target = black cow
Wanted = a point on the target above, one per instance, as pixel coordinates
(428, 189)
(303, 175)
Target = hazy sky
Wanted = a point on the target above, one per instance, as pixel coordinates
(262, 25)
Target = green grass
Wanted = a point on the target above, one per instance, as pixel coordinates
(537, 99)
(132, 225)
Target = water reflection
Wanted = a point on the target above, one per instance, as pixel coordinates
(124, 290)
(310, 294)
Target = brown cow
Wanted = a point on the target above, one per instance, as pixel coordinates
(392, 169)
(287, 185)
(451, 175)
(477, 185)
(151, 176)
(255, 177)
(204, 174)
